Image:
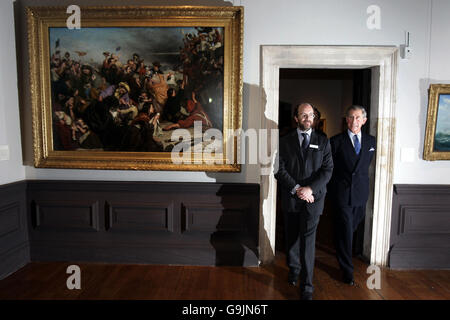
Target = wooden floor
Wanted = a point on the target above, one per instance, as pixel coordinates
(43, 280)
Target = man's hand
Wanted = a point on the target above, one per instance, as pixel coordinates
(305, 193)
(309, 199)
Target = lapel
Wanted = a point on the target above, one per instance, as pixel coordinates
(362, 152)
(307, 154)
(349, 150)
(313, 140)
(304, 156)
(296, 144)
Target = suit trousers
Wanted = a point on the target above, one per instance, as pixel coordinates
(300, 236)
(346, 221)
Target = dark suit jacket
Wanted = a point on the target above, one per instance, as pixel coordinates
(312, 167)
(349, 185)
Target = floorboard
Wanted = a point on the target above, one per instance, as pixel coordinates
(47, 281)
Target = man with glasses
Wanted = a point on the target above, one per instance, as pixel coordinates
(305, 167)
(352, 153)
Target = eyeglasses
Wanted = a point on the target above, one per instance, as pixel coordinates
(307, 115)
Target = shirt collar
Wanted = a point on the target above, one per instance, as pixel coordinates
(308, 132)
(351, 134)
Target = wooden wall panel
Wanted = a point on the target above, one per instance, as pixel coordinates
(66, 215)
(420, 229)
(9, 218)
(139, 222)
(144, 216)
(14, 245)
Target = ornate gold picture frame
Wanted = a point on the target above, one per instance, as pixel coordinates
(437, 136)
(139, 88)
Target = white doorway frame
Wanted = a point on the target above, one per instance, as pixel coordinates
(383, 62)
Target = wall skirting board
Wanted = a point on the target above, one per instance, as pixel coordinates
(420, 233)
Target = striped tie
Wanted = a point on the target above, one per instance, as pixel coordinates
(305, 141)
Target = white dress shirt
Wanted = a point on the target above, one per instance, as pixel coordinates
(351, 134)
(300, 137)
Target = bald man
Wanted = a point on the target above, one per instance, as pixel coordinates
(305, 167)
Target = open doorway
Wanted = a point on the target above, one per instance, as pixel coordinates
(331, 91)
(383, 62)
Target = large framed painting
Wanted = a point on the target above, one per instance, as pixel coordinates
(437, 137)
(142, 88)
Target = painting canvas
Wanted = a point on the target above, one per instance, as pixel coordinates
(118, 89)
(114, 92)
(437, 138)
(442, 136)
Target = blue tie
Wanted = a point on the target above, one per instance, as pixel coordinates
(357, 144)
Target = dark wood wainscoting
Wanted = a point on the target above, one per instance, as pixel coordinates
(14, 249)
(144, 222)
(420, 232)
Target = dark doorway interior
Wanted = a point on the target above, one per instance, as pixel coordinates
(331, 91)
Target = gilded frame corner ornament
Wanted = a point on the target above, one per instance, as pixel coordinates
(42, 21)
(437, 142)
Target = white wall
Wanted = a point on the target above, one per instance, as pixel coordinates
(415, 76)
(329, 22)
(10, 170)
(289, 22)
